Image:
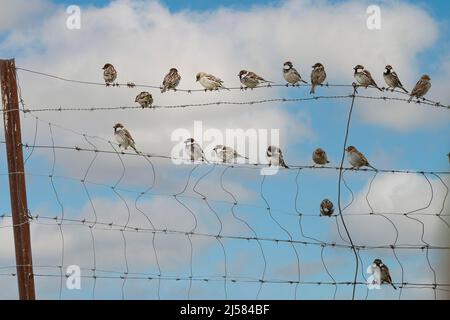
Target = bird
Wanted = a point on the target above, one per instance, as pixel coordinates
(318, 76)
(364, 77)
(320, 157)
(109, 74)
(210, 82)
(145, 99)
(123, 137)
(227, 154)
(326, 208)
(194, 151)
(291, 75)
(356, 158)
(275, 157)
(381, 272)
(250, 79)
(421, 88)
(171, 80)
(392, 80)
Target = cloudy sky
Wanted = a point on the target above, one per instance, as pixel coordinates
(143, 39)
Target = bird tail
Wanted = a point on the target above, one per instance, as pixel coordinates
(163, 89)
(393, 286)
(370, 166)
(378, 87)
(406, 91)
(283, 164)
(134, 148)
(204, 159)
(223, 87)
(268, 81)
(301, 80)
(313, 89)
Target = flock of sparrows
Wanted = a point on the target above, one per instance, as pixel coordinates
(274, 154)
(251, 80)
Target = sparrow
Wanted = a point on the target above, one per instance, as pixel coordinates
(421, 88)
(320, 157)
(194, 151)
(209, 82)
(381, 272)
(145, 99)
(291, 75)
(318, 76)
(109, 74)
(227, 154)
(326, 208)
(364, 77)
(171, 80)
(123, 137)
(250, 79)
(356, 158)
(392, 80)
(275, 157)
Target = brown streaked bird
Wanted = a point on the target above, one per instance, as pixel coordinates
(123, 137)
(209, 82)
(194, 151)
(227, 154)
(356, 158)
(318, 76)
(421, 88)
(144, 99)
(291, 75)
(275, 157)
(326, 208)
(109, 74)
(319, 156)
(392, 80)
(381, 273)
(364, 77)
(171, 80)
(250, 79)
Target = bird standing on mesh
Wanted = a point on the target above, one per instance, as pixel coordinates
(275, 157)
(194, 151)
(392, 80)
(123, 137)
(171, 80)
(320, 157)
(227, 154)
(250, 79)
(210, 82)
(356, 158)
(109, 74)
(144, 99)
(381, 273)
(291, 75)
(318, 76)
(421, 88)
(326, 208)
(364, 77)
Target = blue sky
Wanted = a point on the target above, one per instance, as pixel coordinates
(418, 143)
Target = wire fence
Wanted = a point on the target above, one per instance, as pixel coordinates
(139, 226)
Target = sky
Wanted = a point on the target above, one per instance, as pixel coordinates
(143, 39)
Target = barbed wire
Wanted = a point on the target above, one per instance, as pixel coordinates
(204, 207)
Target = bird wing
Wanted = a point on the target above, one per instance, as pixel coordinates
(213, 78)
(397, 79)
(362, 157)
(255, 76)
(420, 86)
(369, 77)
(128, 135)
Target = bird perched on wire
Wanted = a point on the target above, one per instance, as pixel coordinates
(275, 157)
(171, 80)
(364, 77)
(291, 75)
(318, 76)
(250, 79)
(326, 208)
(356, 158)
(194, 151)
(421, 88)
(381, 273)
(210, 82)
(227, 154)
(392, 80)
(123, 137)
(109, 74)
(319, 156)
(144, 99)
